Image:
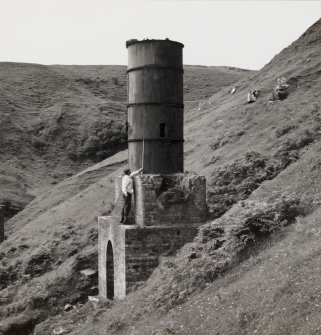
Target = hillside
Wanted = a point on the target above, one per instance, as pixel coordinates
(58, 120)
(50, 120)
(253, 268)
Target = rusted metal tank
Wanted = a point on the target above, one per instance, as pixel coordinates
(155, 106)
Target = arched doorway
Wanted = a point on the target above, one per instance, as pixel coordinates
(110, 271)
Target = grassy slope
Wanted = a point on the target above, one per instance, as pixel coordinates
(273, 289)
(55, 236)
(57, 120)
(49, 118)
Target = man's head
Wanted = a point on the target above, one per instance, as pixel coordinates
(127, 171)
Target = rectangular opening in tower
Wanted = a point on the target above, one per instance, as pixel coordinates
(163, 130)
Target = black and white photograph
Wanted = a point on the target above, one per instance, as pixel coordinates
(160, 167)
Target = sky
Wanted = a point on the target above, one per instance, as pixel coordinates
(245, 34)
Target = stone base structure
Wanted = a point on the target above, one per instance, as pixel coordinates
(167, 210)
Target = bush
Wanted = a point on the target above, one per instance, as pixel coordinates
(218, 246)
(233, 182)
(105, 141)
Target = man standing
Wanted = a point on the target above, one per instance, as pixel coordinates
(127, 190)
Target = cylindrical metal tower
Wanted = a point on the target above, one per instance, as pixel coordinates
(155, 106)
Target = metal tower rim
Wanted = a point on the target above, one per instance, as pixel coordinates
(135, 41)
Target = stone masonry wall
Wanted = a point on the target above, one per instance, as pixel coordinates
(110, 230)
(144, 246)
(167, 211)
(136, 251)
(170, 199)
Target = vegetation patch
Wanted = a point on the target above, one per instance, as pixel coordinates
(236, 181)
(106, 139)
(233, 182)
(39, 263)
(218, 246)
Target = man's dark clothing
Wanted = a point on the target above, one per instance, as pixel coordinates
(126, 208)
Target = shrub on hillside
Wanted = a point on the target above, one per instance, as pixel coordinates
(218, 246)
(284, 129)
(289, 151)
(230, 138)
(236, 181)
(38, 143)
(103, 142)
(40, 262)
